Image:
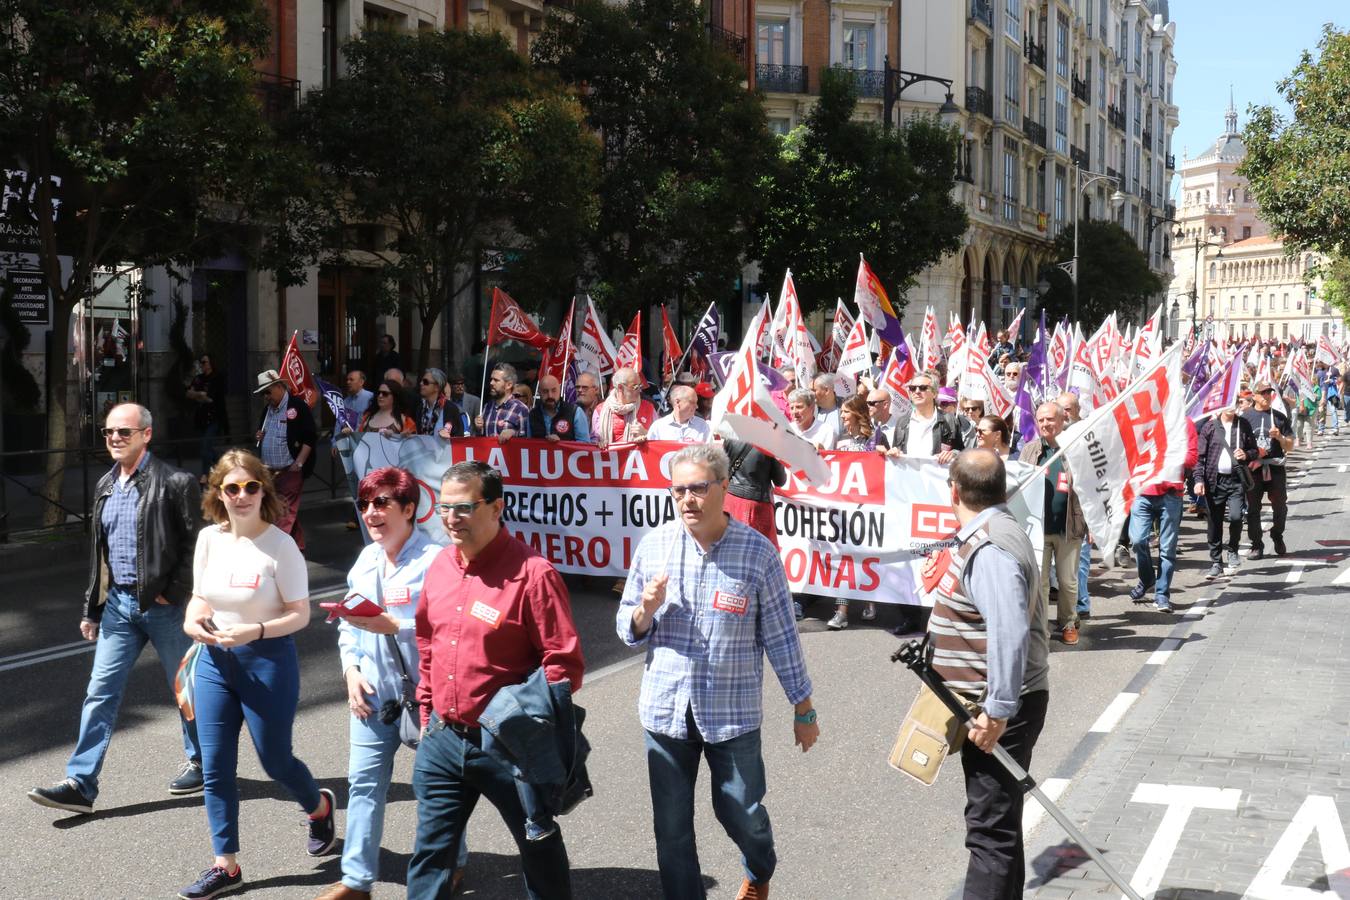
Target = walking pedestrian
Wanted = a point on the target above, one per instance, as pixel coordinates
(436, 413)
(708, 598)
(923, 429)
(250, 593)
(1064, 525)
(493, 611)
(624, 415)
(210, 417)
(142, 530)
(1073, 412)
(1159, 504)
(1225, 445)
(503, 416)
(1274, 438)
(286, 437)
(681, 424)
(554, 419)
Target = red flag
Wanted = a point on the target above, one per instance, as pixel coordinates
(670, 348)
(296, 374)
(510, 322)
(559, 355)
(629, 354)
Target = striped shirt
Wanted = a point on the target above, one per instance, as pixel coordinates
(118, 519)
(725, 610)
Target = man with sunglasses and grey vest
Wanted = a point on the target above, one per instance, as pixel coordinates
(991, 645)
(145, 521)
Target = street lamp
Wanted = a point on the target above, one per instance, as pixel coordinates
(895, 82)
(1200, 246)
(1117, 201)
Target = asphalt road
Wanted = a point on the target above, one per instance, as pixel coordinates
(845, 824)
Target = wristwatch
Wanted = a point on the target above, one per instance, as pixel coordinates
(806, 718)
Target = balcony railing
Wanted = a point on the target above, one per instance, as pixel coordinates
(1112, 173)
(982, 11)
(1170, 210)
(1035, 52)
(1080, 89)
(781, 79)
(1171, 162)
(1115, 117)
(868, 82)
(1034, 130)
(1079, 157)
(730, 41)
(978, 101)
(1148, 140)
(1147, 194)
(278, 95)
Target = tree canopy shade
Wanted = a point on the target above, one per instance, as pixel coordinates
(134, 120)
(683, 144)
(1299, 168)
(451, 146)
(841, 187)
(1113, 274)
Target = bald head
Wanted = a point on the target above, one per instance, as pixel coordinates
(1068, 401)
(979, 481)
(550, 392)
(879, 405)
(1049, 422)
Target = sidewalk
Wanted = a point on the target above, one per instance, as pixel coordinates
(1223, 771)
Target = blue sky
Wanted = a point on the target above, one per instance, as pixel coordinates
(1248, 44)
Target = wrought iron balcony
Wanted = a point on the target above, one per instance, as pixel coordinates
(1171, 162)
(1147, 194)
(1116, 176)
(1035, 53)
(1170, 211)
(1079, 157)
(278, 95)
(1148, 140)
(868, 82)
(730, 41)
(1081, 89)
(1034, 130)
(774, 78)
(982, 11)
(1115, 117)
(978, 101)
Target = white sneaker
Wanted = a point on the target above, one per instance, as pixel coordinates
(838, 622)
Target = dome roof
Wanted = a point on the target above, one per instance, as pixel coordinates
(1229, 148)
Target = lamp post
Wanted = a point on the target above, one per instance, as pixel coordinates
(1200, 247)
(895, 82)
(1117, 201)
(1150, 223)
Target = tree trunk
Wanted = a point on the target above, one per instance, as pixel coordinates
(58, 414)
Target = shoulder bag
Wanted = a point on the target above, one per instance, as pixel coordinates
(1240, 466)
(404, 710)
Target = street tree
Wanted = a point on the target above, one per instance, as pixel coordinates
(683, 144)
(841, 187)
(1299, 167)
(130, 123)
(453, 148)
(1113, 274)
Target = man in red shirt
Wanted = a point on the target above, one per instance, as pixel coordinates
(493, 611)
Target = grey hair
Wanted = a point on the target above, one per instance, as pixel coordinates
(684, 391)
(825, 380)
(145, 420)
(802, 395)
(588, 374)
(437, 376)
(627, 375)
(508, 372)
(710, 457)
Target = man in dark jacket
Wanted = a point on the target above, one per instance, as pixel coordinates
(925, 430)
(286, 438)
(1226, 443)
(145, 520)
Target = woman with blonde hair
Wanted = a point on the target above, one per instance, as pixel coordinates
(250, 593)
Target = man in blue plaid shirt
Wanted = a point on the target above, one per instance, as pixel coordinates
(503, 416)
(708, 597)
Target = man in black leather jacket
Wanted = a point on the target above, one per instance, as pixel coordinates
(143, 536)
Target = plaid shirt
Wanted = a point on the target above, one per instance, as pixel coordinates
(511, 413)
(118, 519)
(274, 451)
(725, 610)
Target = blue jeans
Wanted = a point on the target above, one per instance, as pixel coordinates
(207, 447)
(1084, 563)
(737, 768)
(258, 682)
(370, 768)
(1166, 511)
(122, 635)
(449, 775)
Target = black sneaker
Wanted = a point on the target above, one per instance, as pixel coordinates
(212, 883)
(1256, 553)
(1280, 548)
(189, 780)
(323, 832)
(62, 795)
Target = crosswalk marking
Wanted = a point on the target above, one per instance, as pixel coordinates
(1114, 712)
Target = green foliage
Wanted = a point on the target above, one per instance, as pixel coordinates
(1113, 274)
(841, 187)
(683, 146)
(454, 146)
(1299, 168)
(1335, 274)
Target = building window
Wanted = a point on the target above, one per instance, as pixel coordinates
(1012, 19)
(772, 41)
(1009, 179)
(1138, 107)
(1286, 301)
(1012, 73)
(1062, 45)
(1246, 231)
(1061, 120)
(330, 43)
(1244, 302)
(779, 124)
(857, 46)
(1060, 186)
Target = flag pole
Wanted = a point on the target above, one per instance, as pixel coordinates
(685, 355)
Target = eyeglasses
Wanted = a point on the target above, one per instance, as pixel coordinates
(919, 388)
(697, 488)
(377, 502)
(427, 381)
(232, 488)
(383, 393)
(457, 510)
(123, 433)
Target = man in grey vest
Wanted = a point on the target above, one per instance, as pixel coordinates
(992, 646)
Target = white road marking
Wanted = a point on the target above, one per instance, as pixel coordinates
(1180, 800)
(612, 668)
(87, 647)
(1317, 814)
(1114, 712)
(1295, 572)
(1164, 652)
(1344, 577)
(1033, 812)
(42, 652)
(1341, 468)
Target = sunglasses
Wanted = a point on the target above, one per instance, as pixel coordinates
(123, 433)
(877, 402)
(1262, 391)
(457, 510)
(427, 381)
(384, 393)
(233, 488)
(985, 430)
(377, 502)
(919, 388)
(970, 409)
(697, 488)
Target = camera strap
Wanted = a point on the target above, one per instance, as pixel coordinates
(406, 686)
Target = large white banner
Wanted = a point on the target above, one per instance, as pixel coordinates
(865, 534)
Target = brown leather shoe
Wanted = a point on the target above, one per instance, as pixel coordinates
(752, 891)
(340, 891)
(456, 881)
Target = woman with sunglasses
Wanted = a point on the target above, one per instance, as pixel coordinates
(388, 416)
(971, 413)
(437, 413)
(389, 572)
(993, 433)
(250, 593)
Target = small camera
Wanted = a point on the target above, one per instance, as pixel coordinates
(390, 710)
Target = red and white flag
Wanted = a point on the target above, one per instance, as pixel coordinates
(1136, 440)
(296, 374)
(1082, 375)
(670, 349)
(790, 329)
(1148, 343)
(839, 332)
(1300, 373)
(559, 355)
(595, 351)
(1326, 353)
(895, 378)
(929, 347)
(629, 354)
(509, 322)
(1015, 329)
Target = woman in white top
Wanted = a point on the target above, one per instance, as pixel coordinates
(250, 593)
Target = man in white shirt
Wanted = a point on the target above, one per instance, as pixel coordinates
(681, 425)
(802, 409)
(925, 430)
(827, 401)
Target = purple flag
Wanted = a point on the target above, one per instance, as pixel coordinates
(1192, 365)
(1220, 392)
(345, 418)
(721, 364)
(703, 344)
(1031, 386)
